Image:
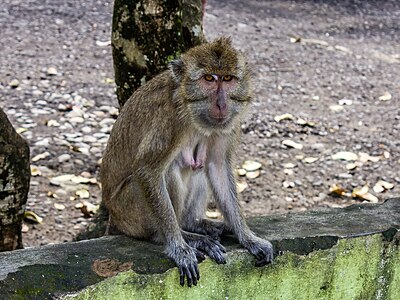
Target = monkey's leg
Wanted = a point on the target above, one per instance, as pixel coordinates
(206, 244)
(222, 180)
(193, 218)
(150, 214)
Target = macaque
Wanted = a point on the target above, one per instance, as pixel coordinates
(171, 150)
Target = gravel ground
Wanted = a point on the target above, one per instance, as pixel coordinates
(326, 80)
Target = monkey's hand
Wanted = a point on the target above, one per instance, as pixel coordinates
(206, 244)
(187, 259)
(261, 249)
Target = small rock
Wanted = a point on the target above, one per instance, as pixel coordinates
(14, 83)
(64, 157)
(52, 71)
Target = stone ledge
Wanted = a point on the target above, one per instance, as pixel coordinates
(324, 254)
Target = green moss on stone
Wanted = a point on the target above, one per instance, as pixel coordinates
(349, 270)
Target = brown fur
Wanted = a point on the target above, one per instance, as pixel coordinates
(172, 147)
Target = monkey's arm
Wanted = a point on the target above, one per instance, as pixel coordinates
(222, 180)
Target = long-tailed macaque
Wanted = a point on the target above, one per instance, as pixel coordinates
(172, 148)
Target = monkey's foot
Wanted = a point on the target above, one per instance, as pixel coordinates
(206, 244)
(186, 259)
(261, 249)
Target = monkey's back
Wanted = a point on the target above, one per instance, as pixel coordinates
(143, 134)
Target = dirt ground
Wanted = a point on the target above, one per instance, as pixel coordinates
(333, 69)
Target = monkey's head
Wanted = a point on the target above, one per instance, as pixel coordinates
(213, 81)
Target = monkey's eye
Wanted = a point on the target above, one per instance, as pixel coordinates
(227, 78)
(208, 77)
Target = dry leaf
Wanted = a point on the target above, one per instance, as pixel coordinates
(345, 155)
(363, 193)
(345, 102)
(303, 122)
(241, 172)
(343, 49)
(336, 108)
(385, 97)
(251, 165)
(52, 123)
(283, 117)
(352, 166)
(289, 165)
(364, 157)
(310, 160)
(88, 209)
(61, 179)
(336, 189)
(292, 144)
(253, 174)
(32, 217)
(382, 185)
(59, 206)
(21, 130)
(213, 214)
(82, 193)
(40, 156)
(52, 194)
(35, 171)
(241, 186)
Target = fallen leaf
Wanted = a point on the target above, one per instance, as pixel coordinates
(21, 130)
(251, 165)
(292, 144)
(283, 117)
(336, 107)
(364, 157)
(385, 97)
(363, 193)
(336, 189)
(303, 122)
(345, 102)
(345, 155)
(52, 123)
(82, 193)
(382, 186)
(52, 194)
(241, 172)
(40, 156)
(35, 171)
(253, 174)
(310, 160)
(241, 186)
(352, 166)
(87, 208)
(103, 43)
(343, 49)
(58, 180)
(213, 214)
(32, 217)
(59, 206)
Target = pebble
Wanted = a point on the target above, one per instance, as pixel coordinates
(63, 158)
(52, 71)
(76, 120)
(86, 129)
(14, 83)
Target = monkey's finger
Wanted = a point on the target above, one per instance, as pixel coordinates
(196, 267)
(222, 248)
(182, 276)
(188, 276)
(194, 274)
(199, 255)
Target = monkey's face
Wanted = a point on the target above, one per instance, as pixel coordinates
(217, 101)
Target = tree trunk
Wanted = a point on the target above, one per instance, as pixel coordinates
(14, 184)
(147, 34)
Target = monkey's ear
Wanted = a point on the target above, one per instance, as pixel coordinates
(177, 68)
